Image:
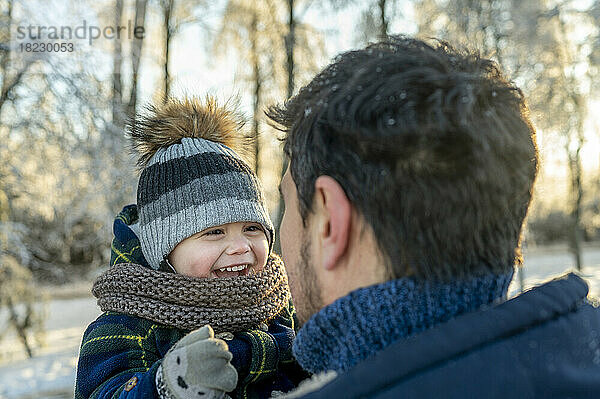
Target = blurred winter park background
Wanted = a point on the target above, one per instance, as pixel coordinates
(67, 90)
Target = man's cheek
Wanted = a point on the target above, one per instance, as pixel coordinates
(292, 275)
(283, 238)
(287, 251)
(296, 291)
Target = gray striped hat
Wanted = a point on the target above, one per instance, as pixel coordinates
(192, 185)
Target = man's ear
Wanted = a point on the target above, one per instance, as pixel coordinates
(334, 215)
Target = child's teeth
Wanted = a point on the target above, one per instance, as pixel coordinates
(234, 268)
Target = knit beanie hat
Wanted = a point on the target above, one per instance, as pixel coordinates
(192, 174)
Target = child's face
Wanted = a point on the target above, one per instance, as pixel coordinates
(240, 247)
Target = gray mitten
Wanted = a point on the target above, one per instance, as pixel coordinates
(198, 366)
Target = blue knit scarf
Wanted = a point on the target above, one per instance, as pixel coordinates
(367, 320)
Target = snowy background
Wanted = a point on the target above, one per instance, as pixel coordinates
(51, 373)
(64, 171)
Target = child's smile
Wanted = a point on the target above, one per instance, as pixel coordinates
(229, 250)
(234, 270)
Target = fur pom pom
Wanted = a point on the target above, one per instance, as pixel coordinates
(164, 125)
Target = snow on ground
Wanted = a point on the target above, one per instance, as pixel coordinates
(51, 373)
(542, 264)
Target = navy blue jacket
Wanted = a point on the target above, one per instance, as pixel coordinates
(544, 343)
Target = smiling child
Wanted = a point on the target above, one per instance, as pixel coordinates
(194, 251)
(230, 250)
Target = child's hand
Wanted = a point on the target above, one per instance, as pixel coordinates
(198, 366)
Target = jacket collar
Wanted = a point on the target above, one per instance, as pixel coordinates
(369, 319)
(125, 246)
(465, 333)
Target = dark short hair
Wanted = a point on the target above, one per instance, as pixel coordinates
(432, 145)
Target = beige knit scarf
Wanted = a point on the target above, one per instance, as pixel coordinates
(227, 304)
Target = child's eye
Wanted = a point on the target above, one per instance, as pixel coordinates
(254, 227)
(214, 232)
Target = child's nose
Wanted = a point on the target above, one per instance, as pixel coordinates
(239, 244)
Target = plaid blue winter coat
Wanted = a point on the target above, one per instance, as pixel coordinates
(120, 353)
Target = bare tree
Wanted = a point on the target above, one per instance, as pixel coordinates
(136, 54)
(176, 14)
(169, 31)
(257, 77)
(117, 95)
(375, 19)
(573, 131)
(18, 293)
(532, 42)
(290, 44)
(383, 22)
(275, 46)
(61, 169)
(9, 80)
(251, 29)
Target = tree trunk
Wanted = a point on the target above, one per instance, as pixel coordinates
(4, 217)
(136, 55)
(575, 170)
(20, 326)
(574, 156)
(8, 83)
(383, 27)
(290, 42)
(257, 89)
(117, 100)
(6, 38)
(168, 9)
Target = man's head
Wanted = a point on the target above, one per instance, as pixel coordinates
(406, 159)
